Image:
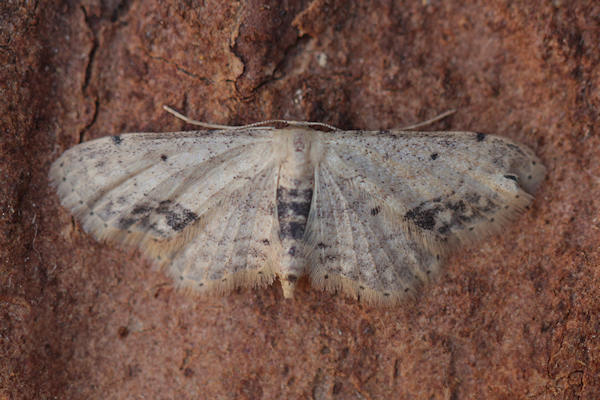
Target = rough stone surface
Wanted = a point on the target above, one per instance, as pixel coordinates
(516, 317)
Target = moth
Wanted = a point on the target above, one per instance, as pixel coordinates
(370, 213)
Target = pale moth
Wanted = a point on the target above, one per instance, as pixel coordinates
(370, 213)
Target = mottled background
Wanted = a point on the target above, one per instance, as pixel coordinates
(517, 316)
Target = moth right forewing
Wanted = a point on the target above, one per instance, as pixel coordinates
(359, 249)
(448, 187)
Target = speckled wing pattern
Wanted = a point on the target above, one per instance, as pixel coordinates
(372, 214)
(194, 202)
(389, 206)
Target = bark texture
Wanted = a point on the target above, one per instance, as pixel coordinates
(515, 317)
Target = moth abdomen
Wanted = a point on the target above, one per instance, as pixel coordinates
(294, 198)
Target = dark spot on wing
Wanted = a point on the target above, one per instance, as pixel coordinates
(163, 157)
(422, 217)
(457, 206)
(124, 223)
(176, 216)
(434, 156)
(266, 242)
(179, 219)
(163, 206)
(451, 216)
(141, 209)
(480, 137)
(117, 139)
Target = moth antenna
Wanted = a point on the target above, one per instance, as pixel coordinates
(194, 122)
(427, 122)
(252, 125)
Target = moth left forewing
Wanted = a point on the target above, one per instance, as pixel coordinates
(161, 191)
(137, 183)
